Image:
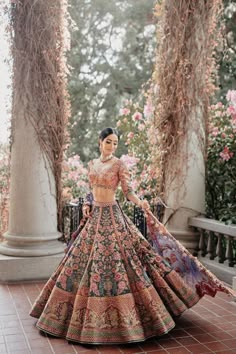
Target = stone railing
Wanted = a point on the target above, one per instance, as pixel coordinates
(217, 240)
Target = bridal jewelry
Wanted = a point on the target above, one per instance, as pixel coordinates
(106, 158)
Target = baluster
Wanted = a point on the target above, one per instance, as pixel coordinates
(220, 249)
(202, 242)
(229, 251)
(71, 210)
(211, 245)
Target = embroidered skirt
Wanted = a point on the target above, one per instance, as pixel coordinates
(112, 286)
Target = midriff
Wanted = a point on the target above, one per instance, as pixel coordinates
(101, 194)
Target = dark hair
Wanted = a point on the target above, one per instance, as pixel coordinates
(108, 131)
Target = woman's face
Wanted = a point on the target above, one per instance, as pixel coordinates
(109, 144)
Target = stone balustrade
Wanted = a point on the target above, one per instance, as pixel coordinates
(217, 247)
(216, 239)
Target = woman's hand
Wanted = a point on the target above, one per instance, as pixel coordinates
(144, 205)
(86, 210)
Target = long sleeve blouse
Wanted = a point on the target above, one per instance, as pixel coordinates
(110, 175)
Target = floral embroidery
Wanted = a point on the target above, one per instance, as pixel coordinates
(109, 175)
(113, 287)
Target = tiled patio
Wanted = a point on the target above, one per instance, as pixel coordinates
(209, 327)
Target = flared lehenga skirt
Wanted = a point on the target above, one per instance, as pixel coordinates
(112, 286)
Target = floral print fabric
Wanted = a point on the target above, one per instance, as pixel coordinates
(112, 286)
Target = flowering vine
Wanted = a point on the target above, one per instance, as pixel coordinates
(184, 72)
(74, 179)
(221, 160)
(134, 123)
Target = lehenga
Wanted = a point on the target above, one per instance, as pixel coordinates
(113, 285)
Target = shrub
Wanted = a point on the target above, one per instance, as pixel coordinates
(221, 161)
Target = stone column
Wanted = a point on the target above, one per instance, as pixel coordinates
(185, 185)
(33, 214)
(30, 249)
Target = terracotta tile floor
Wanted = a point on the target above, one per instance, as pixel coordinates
(209, 327)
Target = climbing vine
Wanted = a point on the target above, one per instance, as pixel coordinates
(184, 76)
(39, 43)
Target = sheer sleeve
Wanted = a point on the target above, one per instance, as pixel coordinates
(88, 200)
(125, 180)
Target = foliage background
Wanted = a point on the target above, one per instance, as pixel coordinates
(111, 56)
(221, 161)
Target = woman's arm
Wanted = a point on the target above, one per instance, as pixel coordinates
(143, 204)
(124, 176)
(88, 200)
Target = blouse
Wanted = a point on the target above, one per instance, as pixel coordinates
(109, 176)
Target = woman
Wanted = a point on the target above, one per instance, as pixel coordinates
(112, 286)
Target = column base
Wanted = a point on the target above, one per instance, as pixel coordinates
(20, 269)
(31, 245)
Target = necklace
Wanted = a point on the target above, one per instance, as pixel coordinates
(106, 158)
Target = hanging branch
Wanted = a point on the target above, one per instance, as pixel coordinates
(40, 40)
(184, 74)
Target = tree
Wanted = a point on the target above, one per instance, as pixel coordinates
(227, 56)
(111, 57)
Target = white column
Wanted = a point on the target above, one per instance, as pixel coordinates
(33, 213)
(185, 184)
(30, 248)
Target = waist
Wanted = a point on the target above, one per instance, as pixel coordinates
(103, 195)
(103, 204)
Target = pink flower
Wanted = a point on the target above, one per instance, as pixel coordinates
(148, 110)
(118, 276)
(74, 161)
(215, 131)
(223, 135)
(137, 116)
(81, 183)
(121, 285)
(96, 277)
(130, 161)
(231, 96)
(130, 135)
(139, 271)
(118, 123)
(68, 271)
(226, 154)
(141, 127)
(231, 110)
(125, 120)
(124, 111)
